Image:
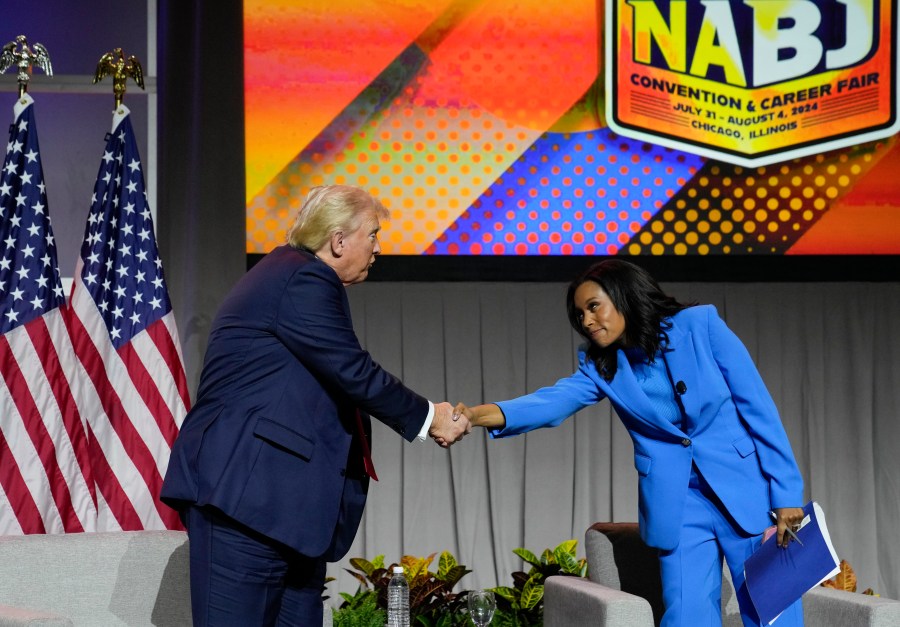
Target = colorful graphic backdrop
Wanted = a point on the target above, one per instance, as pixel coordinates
(479, 124)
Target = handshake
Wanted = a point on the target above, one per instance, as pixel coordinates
(450, 423)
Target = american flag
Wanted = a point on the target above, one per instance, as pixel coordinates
(124, 334)
(46, 481)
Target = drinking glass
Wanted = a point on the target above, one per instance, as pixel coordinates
(481, 607)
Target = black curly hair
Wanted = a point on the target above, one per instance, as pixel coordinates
(638, 297)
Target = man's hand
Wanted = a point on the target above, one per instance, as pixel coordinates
(449, 424)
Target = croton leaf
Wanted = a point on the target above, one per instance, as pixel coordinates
(445, 564)
(844, 580)
(528, 556)
(547, 557)
(510, 594)
(363, 565)
(568, 546)
(416, 566)
(583, 571)
(453, 575)
(419, 594)
(362, 580)
(380, 577)
(567, 562)
(532, 594)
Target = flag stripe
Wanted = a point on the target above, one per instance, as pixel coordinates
(120, 506)
(116, 414)
(161, 334)
(146, 388)
(24, 508)
(40, 335)
(108, 366)
(37, 431)
(144, 500)
(33, 348)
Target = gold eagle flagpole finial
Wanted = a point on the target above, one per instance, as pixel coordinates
(121, 69)
(24, 58)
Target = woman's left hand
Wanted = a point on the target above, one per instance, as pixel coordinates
(787, 517)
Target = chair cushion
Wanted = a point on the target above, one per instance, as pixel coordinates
(575, 601)
(618, 558)
(99, 578)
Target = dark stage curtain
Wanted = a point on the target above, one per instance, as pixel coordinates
(200, 226)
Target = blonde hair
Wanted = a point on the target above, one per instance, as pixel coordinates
(329, 209)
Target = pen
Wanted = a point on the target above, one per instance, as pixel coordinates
(789, 531)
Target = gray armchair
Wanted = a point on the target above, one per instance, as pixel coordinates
(113, 578)
(131, 578)
(623, 589)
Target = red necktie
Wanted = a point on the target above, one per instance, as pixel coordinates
(367, 455)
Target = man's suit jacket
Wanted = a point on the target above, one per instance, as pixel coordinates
(273, 440)
(732, 430)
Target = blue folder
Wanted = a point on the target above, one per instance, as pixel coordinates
(777, 576)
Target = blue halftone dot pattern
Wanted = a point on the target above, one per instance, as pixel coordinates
(571, 194)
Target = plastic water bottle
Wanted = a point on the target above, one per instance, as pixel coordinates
(398, 599)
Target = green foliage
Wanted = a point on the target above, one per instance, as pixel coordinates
(432, 602)
(522, 605)
(360, 610)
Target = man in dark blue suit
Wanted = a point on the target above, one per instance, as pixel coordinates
(271, 467)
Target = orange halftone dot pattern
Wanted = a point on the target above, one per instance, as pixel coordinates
(305, 61)
(526, 62)
(426, 155)
(729, 209)
(866, 220)
(437, 127)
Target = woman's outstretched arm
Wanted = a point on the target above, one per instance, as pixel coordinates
(488, 415)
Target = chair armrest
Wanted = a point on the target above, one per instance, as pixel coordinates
(576, 601)
(836, 608)
(21, 617)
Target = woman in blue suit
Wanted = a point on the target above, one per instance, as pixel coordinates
(711, 453)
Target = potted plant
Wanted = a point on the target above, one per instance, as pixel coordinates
(522, 605)
(432, 602)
